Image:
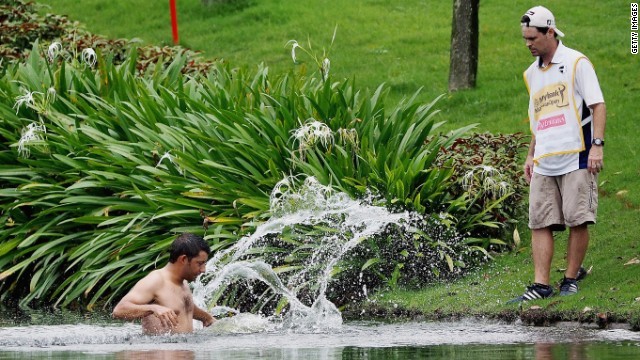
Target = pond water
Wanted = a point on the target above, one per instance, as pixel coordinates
(251, 337)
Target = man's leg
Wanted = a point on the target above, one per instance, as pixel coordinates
(576, 249)
(542, 248)
(545, 213)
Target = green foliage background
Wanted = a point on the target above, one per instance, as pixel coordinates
(117, 163)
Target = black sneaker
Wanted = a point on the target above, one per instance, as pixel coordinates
(582, 273)
(568, 287)
(534, 292)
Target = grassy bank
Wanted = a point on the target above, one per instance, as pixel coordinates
(608, 294)
(406, 46)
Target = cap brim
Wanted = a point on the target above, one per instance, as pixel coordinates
(560, 33)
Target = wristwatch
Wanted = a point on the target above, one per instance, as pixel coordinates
(598, 142)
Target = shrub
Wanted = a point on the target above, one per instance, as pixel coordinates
(488, 178)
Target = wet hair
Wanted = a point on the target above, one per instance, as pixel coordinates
(187, 244)
(526, 20)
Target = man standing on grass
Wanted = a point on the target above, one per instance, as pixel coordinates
(567, 118)
(162, 299)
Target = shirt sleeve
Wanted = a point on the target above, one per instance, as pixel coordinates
(587, 84)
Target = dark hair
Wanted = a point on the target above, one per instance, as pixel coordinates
(187, 244)
(526, 20)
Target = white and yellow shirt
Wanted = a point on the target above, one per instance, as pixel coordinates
(559, 115)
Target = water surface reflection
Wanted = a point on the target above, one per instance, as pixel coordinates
(155, 354)
(355, 340)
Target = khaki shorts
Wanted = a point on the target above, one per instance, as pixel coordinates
(566, 200)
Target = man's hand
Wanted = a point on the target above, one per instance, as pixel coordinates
(595, 163)
(167, 317)
(528, 169)
(208, 320)
(203, 316)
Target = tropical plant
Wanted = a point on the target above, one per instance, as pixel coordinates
(119, 161)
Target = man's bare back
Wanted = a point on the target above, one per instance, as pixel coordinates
(163, 300)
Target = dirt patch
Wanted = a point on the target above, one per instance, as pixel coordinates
(531, 316)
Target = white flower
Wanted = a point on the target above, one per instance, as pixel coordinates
(489, 170)
(54, 50)
(281, 188)
(51, 95)
(348, 136)
(167, 155)
(26, 99)
(32, 133)
(486, 180)
(326, 64)
(294, 45)
(467, 180)
(502, 188)
(89, 57)
(489, 184)
(312, 132)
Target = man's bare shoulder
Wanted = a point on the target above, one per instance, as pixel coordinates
(156, 274)
(153, 280)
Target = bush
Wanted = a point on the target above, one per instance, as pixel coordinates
(488, 178)
(21, 25)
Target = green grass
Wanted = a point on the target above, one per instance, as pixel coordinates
(406, 45)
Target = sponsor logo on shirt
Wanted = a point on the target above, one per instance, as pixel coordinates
(550, 99)
(551, 122)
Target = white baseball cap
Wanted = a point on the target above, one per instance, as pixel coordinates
(540, 16)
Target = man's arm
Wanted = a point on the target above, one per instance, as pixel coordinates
(596, 154)
(137, 303)
(202, 315)
(528, 164)
(588, 86)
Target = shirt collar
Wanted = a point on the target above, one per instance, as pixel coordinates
(558, 56)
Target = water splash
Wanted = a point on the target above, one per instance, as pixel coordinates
(348, 223)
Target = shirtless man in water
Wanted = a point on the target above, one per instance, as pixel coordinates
(162, 299)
